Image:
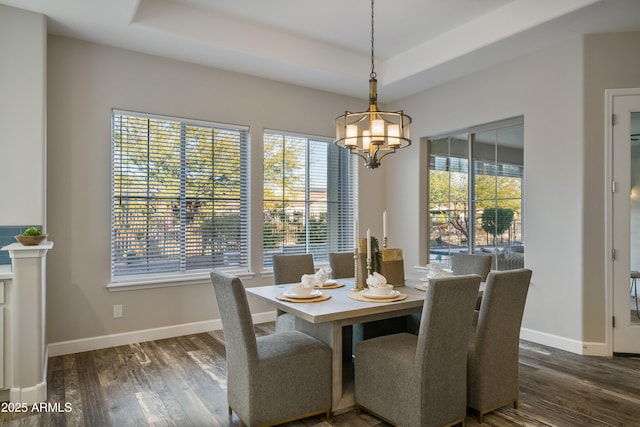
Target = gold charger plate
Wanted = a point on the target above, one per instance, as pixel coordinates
(359, 297)
(321, 297)
(332, 286)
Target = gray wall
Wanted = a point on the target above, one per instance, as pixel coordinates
(560, 92)
(23, 49)
(545, 87)
(86, 81)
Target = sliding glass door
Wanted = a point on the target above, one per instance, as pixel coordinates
(476, 194)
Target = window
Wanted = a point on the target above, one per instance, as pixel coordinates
(309, 197)
(478, 209)
(179, 195)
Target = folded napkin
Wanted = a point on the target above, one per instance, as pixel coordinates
(309, 281)
(323, 274)
(315, 280)
(436, 271)
(376, 280)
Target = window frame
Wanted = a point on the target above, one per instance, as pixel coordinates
(199, 274)
(468, 164)
(346, 193)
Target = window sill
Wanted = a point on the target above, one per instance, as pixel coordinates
(169, 280)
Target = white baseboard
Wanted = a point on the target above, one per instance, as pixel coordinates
(567, 344)
(600, 349)
(126, 338)
(29, 395)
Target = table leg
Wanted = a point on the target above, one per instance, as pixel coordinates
(330, 333)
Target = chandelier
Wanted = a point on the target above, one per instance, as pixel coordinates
(373, 134)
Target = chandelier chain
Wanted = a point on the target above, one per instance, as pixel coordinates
(373, 73)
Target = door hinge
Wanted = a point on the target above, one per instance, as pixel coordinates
(613, 322)
(613, 120)
(613, 254)
(613, 186)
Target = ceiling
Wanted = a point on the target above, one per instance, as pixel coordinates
(326, 44)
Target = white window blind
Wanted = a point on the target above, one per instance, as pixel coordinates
(309, 197)
(179, 195)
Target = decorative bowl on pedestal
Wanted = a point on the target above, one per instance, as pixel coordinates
(31, 240)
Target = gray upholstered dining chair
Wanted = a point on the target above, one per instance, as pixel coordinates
(461, 264)
(472, 264)
(273, 378)
(342, 264)
(417, 381)
(289, 269)
(492, 366)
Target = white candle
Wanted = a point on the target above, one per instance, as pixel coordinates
(368, 244)
(355, 233)
(384, 224)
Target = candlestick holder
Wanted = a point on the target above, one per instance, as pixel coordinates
(360, 255)
(355, 271)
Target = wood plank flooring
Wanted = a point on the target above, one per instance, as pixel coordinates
(182, 382)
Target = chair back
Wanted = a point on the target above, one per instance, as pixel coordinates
(290, 380)
(237, 324)
(441, 353)
(462, 264)
(494, 349)
(342, 265)
(290, 268)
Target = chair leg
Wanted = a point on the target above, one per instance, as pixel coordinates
(515, 404)
(230, 411)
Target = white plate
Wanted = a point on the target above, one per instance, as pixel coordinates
(368, 294)
(315, 293)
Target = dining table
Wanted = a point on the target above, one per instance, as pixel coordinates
(325, 316)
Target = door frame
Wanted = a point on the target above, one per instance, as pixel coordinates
(610, 94)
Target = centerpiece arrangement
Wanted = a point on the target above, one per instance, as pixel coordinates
(370, 259)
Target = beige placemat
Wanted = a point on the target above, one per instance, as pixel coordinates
(335, 285)
(358, 296)
(322, 297)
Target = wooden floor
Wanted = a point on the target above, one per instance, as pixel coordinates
(181, 382)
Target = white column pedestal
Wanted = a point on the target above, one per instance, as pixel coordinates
(28, 316)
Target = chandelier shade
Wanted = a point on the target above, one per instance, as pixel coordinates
(374, 133)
